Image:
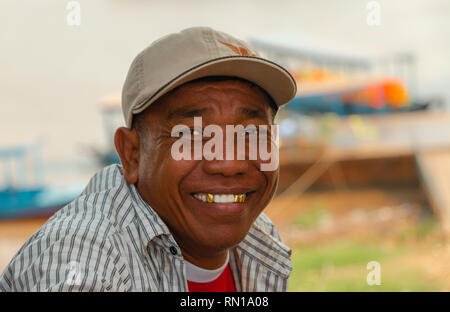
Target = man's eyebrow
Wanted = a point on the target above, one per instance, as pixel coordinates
(253, 112)
(188, 112)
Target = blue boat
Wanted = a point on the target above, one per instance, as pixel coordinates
(20, 198)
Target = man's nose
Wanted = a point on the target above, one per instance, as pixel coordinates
(233, 160)
(226, 167)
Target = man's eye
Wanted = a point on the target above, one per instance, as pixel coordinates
(189, 131)
(249, 131)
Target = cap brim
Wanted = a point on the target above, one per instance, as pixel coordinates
(273, 78)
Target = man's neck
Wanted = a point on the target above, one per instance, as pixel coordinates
(211, 262)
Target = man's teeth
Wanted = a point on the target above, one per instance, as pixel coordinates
(220, 198)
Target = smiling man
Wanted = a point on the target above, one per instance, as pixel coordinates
(159, 222)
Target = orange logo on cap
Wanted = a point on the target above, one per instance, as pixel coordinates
(238, 50)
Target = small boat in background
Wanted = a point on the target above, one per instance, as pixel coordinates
(23, 193)
(347, 83)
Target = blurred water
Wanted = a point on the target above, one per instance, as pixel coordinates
(52, 75)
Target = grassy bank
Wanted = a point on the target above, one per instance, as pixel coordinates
(341, 266)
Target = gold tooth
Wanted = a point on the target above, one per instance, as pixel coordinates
(210, 198)
(239, 198)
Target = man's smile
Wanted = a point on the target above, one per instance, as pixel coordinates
(222, 202)
(220, 198)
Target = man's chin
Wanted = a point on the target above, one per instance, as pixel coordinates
(223, 237)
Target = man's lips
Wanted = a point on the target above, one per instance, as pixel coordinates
(222, 202)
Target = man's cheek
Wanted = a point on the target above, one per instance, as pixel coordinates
(176, 171)
(273, 176)
(272, 182)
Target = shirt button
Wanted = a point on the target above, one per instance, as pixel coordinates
(173, 250)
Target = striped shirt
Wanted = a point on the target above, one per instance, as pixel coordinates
(110, 239)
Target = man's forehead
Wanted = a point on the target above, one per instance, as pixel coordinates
(200, 92)
(211, 82)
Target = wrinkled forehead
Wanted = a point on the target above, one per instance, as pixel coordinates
(200, 92)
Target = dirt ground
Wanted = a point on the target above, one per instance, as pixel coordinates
(339, 202)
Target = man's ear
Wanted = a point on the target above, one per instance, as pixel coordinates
(127, 145)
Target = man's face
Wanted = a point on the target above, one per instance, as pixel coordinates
(173, 188)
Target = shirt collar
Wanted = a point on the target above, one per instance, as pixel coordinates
(152, 225)
(263, 248)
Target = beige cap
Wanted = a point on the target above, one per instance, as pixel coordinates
(195, 53)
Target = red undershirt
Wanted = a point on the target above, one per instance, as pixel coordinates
(224, 283)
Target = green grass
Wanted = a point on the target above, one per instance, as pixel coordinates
(406, 280)
(419, 231)
(341, 266)
(338, 253)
